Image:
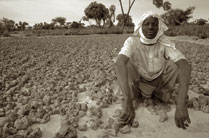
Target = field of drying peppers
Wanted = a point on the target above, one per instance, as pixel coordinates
(42, 76)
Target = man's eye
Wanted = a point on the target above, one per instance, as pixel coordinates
(153, 24)
(156, 24)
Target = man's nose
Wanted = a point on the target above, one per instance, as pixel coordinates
(150, 26)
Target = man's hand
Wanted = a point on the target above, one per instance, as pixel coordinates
(128, 113)
(182, 116)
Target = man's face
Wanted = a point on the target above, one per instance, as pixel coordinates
(150, 27)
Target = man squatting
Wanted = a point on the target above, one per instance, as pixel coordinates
(150, 65)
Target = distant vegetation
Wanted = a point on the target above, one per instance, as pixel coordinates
(177, 19)
(201, 31)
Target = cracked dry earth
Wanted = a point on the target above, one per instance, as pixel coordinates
(64, 87)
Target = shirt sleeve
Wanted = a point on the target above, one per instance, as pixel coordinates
(127, 48)
(173, 54)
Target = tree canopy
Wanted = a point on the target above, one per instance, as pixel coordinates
(128, 22)
(7, 24)
(60, 20)
(158, 3)
(21, 25)
(174, 16)
(47, 26)
(97, 11)
(112, 15)
(178, 16)
(125, 16)
(201, 21)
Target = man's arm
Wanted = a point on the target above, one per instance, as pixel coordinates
(181, 115)
(122, 76)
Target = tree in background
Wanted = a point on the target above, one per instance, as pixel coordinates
(46, 26)
(106, 16)
(75, 24)
(126, 15)
(2, 28)
(38, 26)
(166, 6)
(178, 16)
(174, 16)
(85, 18)
(7, 25)
(158, 3)
(60, 20)
(97, 12)
(112, 10)
(128, 22)
(201, 21)
(21, 25)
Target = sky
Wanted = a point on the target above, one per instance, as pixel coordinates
(36, 11)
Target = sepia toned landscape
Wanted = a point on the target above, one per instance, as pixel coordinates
(48, 82)
(57, 79)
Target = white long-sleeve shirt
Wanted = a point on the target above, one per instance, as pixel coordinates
(149, 59)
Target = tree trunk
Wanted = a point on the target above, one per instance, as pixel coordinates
(104, 21)
(129, 9)
(98, 22)
(110, 21)
(121, 6)
(130, 6)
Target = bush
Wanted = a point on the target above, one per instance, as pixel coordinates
(83, 31)
(201, 21)
(201, 31)
(5, 34)
(76, 25)
(202, 36)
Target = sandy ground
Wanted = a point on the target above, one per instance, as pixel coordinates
(149, 126)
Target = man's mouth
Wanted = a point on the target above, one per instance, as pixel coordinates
(150, 33)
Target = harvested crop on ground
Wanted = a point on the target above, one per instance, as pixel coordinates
(44, 76)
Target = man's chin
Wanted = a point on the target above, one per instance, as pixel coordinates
(150, 36)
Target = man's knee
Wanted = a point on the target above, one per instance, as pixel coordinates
(170, 67)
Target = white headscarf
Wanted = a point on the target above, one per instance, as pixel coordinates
(160, 37)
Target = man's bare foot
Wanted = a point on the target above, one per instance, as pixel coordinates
(125, 130)
(152, 109)
(135, 124)
(147, 102)
(163, 116)
(117, 113)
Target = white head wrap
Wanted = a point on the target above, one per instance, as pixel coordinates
(160, 34)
